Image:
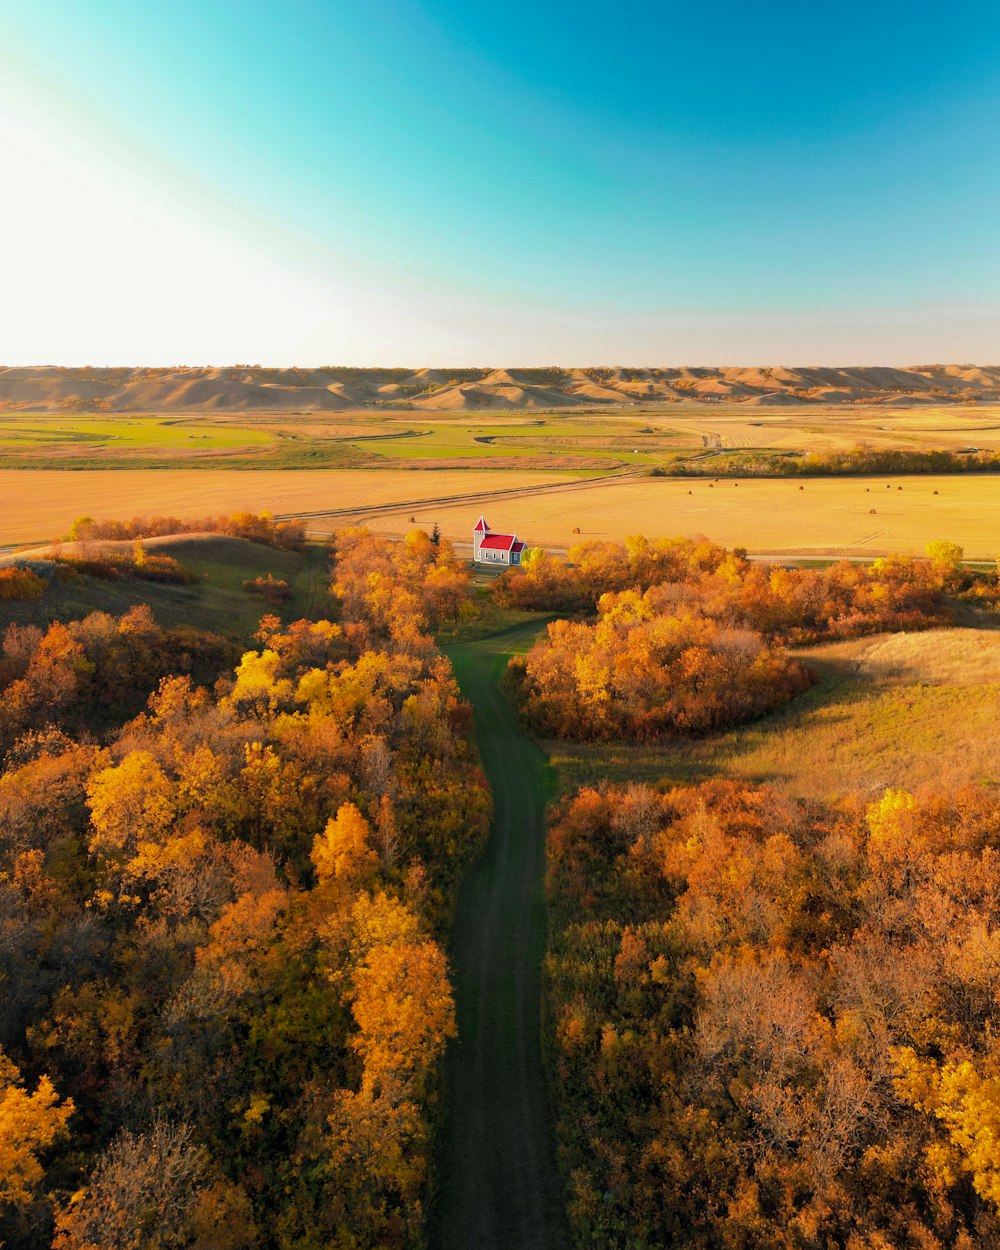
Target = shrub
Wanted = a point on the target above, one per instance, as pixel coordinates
(271, 589)
(20, 583)
(126, 568)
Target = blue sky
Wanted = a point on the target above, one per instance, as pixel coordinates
(390, 182)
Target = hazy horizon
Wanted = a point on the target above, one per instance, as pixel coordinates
(444, 366)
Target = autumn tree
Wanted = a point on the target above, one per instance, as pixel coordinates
(343, 851)
(29, 1125)
(155, 1191)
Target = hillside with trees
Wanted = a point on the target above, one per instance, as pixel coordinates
(771, 1018)
(691, 638)
(228, 875)
(225, 882)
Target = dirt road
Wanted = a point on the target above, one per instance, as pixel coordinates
(498, 1182)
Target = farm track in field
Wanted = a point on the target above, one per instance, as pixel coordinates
(362, 511)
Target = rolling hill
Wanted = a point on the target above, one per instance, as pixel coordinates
(254, 388)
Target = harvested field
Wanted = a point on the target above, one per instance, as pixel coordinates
(36, 506)
(817, 516)
(820, 516)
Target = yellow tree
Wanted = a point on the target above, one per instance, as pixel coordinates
(343, 850)
(403, 1008)
(130, 801)
(402, 1000)
(946, 561)
(968, 1107)
(260, 689)
(890, 819)
(29, 1124)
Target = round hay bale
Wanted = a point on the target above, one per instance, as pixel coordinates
(871, 512)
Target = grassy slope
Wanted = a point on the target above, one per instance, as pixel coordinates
(902, 710)
(217, 603)
(499, 1183)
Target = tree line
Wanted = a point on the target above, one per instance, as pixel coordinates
(690, 637)
(858, 461)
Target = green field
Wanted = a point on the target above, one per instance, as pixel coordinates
(642, 435)
(62, 434)
(403, 439)
(632, 441)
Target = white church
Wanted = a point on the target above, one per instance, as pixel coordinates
(498, 550)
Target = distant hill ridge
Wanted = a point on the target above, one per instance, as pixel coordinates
(239, 388)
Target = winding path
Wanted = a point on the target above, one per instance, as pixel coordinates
(499, 1187)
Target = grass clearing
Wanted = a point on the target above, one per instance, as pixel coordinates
(897, 710)
(489, 619)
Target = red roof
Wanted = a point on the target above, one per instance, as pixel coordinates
(500, 542)
(481, 526)
(518, 546)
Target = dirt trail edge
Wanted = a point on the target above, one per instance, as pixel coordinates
(498, 1183)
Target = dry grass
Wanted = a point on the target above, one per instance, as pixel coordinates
(946, 657)
(906, 710)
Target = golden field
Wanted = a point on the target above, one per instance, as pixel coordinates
(39, 505)
(819, 516)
